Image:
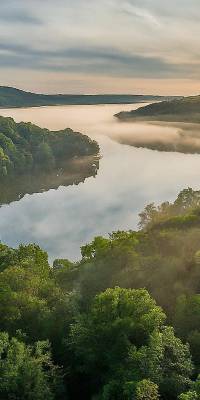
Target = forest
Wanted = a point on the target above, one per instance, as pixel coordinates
(25, 147)
(186, 109)
(121, 323)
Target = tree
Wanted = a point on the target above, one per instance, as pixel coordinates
(186, 199)
(27, 373)
(191, 395)
(147, 216)
(147, 390)
(30, 299)
(167, 362)
(121, 339)
(44, 156)
(187, 314)
(98, 246)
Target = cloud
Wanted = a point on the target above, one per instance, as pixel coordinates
(141, 13)
(130, 38)
(20, 17)
(88, 60)
(15, 12)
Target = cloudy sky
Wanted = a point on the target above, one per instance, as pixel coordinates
(101, 46)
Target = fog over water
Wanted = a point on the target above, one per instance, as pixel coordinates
(62, 220)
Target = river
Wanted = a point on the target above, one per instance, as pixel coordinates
(61, 220)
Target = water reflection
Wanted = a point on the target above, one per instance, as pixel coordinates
(72, 172)
(128, 178)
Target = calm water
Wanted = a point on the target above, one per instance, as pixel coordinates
(61, 220)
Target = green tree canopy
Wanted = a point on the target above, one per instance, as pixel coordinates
(26, 372)
(121, 339)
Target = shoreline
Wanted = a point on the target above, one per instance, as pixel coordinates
(73, 104)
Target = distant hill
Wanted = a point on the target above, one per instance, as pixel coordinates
(11, 97)
(186, 109)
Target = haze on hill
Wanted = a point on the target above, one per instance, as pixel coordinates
(173, 125)
(123, 321)
(186, 109)
(87, 330)
(11, 97)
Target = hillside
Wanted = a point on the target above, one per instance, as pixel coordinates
(11, 97)
(186, 109)
(95, 329)
(25, 147)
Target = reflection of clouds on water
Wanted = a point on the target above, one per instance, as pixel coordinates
(62, 220)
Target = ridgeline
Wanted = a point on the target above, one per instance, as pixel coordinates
(186, 109)
(12, 97)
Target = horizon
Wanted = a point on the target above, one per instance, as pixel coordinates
(88, 94)
(67, 47)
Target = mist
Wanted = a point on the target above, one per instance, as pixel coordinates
(99, 120)
(184, 138)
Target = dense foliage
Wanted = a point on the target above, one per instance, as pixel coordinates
(92, 329)
(186, 109)
(25, 147)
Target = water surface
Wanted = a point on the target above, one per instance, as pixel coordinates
(61, 220)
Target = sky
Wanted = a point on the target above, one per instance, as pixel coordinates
(101, 46)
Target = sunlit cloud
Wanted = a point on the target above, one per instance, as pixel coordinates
(140, 13)
(130, 39)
